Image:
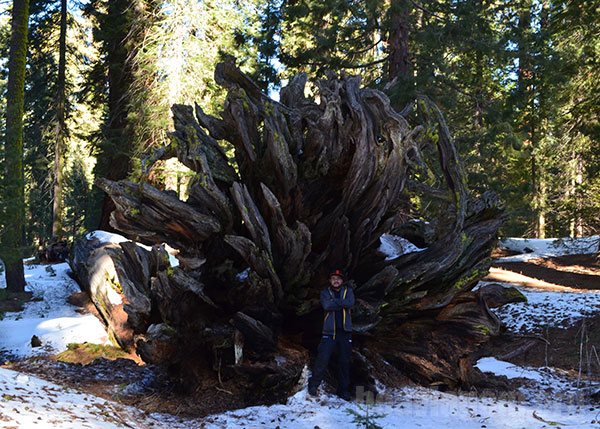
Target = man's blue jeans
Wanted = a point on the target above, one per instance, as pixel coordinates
(342, 345)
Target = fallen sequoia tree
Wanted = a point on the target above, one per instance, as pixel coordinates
(314, 184)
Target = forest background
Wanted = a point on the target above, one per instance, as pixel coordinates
(517, 81)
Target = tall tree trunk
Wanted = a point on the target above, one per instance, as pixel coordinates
(576, 224)
(539, 218)
(399, 64)
(14, 192)
(423, 70)
(479, 64)
(61, 127)
(115, 153)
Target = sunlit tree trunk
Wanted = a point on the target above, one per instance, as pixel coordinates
(576, 224)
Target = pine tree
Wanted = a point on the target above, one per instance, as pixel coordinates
(336, 35)
(156, 53)
(61, 126)
(51, 97)
(115, 20)
(40, 115)
(575, 33)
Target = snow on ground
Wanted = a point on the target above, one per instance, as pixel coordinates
(547, 308)
(48, 316)
(28, 402)
(532, 248)
(543, 382)
(408, 408)
(499, 367)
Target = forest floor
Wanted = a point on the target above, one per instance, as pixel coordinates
(566, 332)
(549, 355)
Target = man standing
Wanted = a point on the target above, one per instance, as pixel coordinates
(337, 301)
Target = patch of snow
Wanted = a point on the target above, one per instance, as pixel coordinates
(393, 246)
(238, 352)
(543, 382)
(243, 275)
(109, 237)
(143, 246)
(509, 370)
(106, 237)
(304, 376)
(547, 247)
(48, 316)
(173, 261)
(547, 308)
(381, 388)
(109, 275)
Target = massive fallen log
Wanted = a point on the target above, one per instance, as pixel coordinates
(314, 184)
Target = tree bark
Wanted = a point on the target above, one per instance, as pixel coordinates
(316, 186)
(14, 185)
(399, 63)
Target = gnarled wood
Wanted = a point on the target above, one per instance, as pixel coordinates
(315, 185)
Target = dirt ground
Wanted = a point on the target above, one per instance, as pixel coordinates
(144, 386)
(575, 349)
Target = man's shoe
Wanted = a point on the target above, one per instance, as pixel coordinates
(346, 396)
(312, 391)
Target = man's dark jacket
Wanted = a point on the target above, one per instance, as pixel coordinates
(330, 304)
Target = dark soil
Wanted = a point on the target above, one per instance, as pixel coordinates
(569, 349)
(575, 349)
(576, 271)
(13, 301)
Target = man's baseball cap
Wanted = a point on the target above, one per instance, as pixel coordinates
(337, 273)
